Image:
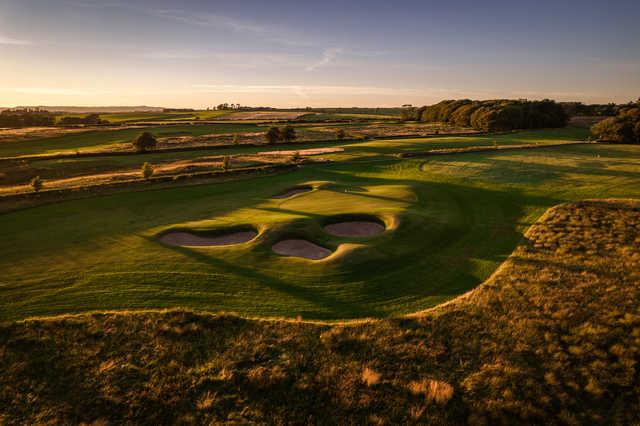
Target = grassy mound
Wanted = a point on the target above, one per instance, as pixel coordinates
(552, 338)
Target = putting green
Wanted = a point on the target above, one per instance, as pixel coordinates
(450, 221)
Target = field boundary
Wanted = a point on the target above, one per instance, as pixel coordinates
(63, 155)
(56, 195)
(487, 148)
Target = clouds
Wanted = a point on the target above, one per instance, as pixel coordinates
(306, 90)
(51, 91)
(328, 56)
(8, 41)
(264, 32)
(211, 20)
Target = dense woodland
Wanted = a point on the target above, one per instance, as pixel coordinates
(623, 128)
(88, 119)
(592, 110)
(26, 118)
(492, 115)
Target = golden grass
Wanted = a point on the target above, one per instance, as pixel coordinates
(370, 377)
(433, 390)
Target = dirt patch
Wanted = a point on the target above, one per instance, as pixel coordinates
(356, 228)
(181, 238)
(293, 191)
(301, 248)
(310, 151)
(263, 115)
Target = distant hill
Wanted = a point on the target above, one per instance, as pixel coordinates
(94, 109)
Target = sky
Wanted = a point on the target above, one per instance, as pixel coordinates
(196, 53)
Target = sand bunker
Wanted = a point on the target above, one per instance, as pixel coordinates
(293, 191)
(301, 248)
(356, 228)
(181, 238)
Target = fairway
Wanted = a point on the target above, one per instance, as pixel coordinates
(449, 222)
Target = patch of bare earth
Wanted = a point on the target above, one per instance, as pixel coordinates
(305, 152)
(398, 130)
(16, 180)
(263, 115)
(356, 228)
(187, 239)
(301, 248)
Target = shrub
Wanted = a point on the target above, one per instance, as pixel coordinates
(341, 134)
(147, 170)
(295, 157)
(36, 184)
(273, 135)
(623, 128)
(288, 133)
(236, 139)
(145, 142)
(225, 163)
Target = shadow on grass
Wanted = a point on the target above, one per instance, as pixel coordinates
(337, 308)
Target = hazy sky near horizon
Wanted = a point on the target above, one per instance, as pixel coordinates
(196, 53)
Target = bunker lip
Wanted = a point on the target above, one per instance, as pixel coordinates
(297, 247)
(185, 238)
(355, 226)
(290, 192)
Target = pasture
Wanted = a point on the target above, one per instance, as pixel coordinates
(107, 137)
(450, 221)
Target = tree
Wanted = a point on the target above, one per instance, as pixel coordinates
(273, 135)
(145, 142)
(615, 129)
(147, 170)
(236, 139)
(225, 163)
(288, 133)
(341, 134)
(497, 114)
(36, 184)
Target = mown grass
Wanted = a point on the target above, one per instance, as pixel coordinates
(459, 217)
(552, 338)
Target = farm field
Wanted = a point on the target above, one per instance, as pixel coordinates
(101, 139)
(450, 221)
(19, 172)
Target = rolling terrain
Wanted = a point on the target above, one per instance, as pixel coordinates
(467, 210)
(551, 338)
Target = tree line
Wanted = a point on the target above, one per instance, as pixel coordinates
(593, 110)
(88, 119)
(623, 128)
(492, 115)
(30, 117)
(26, 118)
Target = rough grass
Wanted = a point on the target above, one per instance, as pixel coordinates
(552, 338)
